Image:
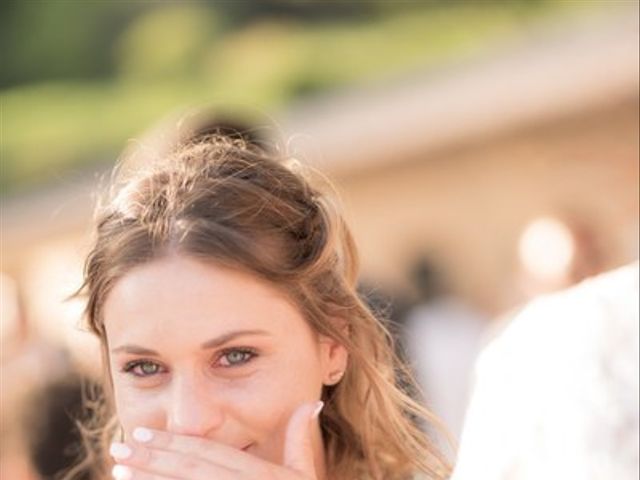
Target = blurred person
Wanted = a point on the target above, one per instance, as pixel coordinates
(222, 285)
(14, 461)
(55, 439)
(42, 399)
(17, 368)
(12, 327)
(442, 334)
(556, 394)
(40, 391)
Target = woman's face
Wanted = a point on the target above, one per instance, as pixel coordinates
(202, 350)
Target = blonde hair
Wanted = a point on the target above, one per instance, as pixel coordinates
(220, 200)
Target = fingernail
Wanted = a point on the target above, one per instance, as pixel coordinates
(121, 472)
(317, 410)
(142, 435)
(120, 451)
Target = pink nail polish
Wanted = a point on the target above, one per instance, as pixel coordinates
(121, 472)
(318, 409)
(120, 451)
(142, 435)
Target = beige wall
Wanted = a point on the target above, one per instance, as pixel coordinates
(468, 205)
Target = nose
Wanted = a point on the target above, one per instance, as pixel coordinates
(193, 408)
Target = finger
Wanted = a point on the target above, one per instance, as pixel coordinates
(207, 449)
(174, 465)
(131, 454)
(298, 449)
(123, 472)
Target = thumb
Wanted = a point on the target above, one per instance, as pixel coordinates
(298, 447)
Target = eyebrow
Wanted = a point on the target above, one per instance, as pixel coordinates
(213, 343)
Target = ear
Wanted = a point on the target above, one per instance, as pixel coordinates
(334, 359)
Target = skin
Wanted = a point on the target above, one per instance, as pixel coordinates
(222, 368)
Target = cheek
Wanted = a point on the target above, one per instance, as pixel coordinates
(266, 402)
(138, 408)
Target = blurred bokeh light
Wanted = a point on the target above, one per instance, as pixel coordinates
(546, 250)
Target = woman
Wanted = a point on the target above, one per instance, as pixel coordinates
(222, 286)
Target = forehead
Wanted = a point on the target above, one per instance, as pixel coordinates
(180, 298)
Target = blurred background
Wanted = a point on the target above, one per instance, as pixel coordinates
(485, 152)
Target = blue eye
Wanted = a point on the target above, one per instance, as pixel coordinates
(143, 368)
(236, 357)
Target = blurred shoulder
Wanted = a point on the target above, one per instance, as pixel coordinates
(571, 320)
(559, 383)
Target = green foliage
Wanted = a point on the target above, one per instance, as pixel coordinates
(125, 64)
(47, 40)
(167, 41)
